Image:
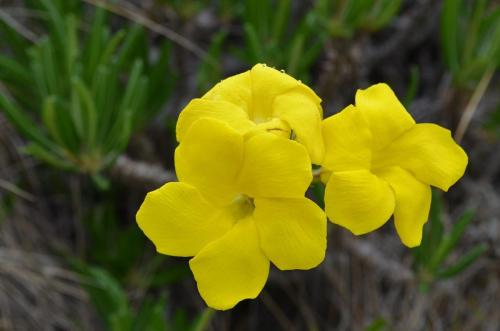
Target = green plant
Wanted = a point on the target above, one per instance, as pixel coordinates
(430, 258)
(343, 18)
(269, 38)
(210, 73)
(470, 39)
(119, 248)
(119, 314)
(78, 94)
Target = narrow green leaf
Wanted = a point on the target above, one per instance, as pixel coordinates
(450, 33)
(411, 91)
(450, 241)
(111, 47)
(253, 44)
(94, 43)
(464, 262)
(72, 44)
(48, 156)
(281, 19)
(13, 71)
(49, 118)
(89, 114)
(21, 121)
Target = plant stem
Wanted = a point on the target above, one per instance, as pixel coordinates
(205, 319)
(471, 107)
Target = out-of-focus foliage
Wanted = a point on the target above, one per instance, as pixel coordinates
(493, 123)
(430, 258)
(470, 39)
(80, 91)
(343, 18)
(118, 248)
(111, 301)
(269, 38)
(210, 73)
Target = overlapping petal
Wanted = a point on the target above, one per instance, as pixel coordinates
(236, 89)
(385, 114)
(267, 84)
(179, 221)
(358, 200)
(347, 141)
(232, 268)
(274, 167)
(429, 152)
(209, 158)
(304, 115)
(228, 112)
(413, 202)
(292, 232)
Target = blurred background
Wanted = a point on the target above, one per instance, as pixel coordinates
(89, 95)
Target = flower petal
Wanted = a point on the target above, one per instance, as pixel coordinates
(413, 202)
(429, 152)
(232, 268)
(292, 232)
(222, 110)
(358, 200)
(303, 115)
(209, 158)
(179, 221)
(236, 89)
(274, 167)
(347, 141)
(386, 115)
(267, 84)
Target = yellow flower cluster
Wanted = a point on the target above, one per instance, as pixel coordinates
(244, 163)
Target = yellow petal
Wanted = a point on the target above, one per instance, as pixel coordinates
(221, 110)
(347, 141)
(292, 232)
(232, 268)
(179, 221)
(274, 167)
(275, 126)
(429, 152)
(303, 115)
(236, 89)
(267, 84)
(386, 115)
(358, 200)
(209, 158)
(413, 202)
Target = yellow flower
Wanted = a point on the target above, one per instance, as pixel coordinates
(262, 98)
(239, 205)
(379, 162)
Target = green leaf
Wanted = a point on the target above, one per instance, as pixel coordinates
(89, 113)
(48, 156)
(281, 18)
(151, 316)
(450, 240)
(21, 121)
(449, 33)
(71, 44)
(411, 91)
(464, 262)
(49, 117)
(433, 232)
(94, 43)
(107, 295)
(253, 44)
(13, 71)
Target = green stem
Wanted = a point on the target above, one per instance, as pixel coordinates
(205, 319)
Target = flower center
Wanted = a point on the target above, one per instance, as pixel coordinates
(241, 206)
